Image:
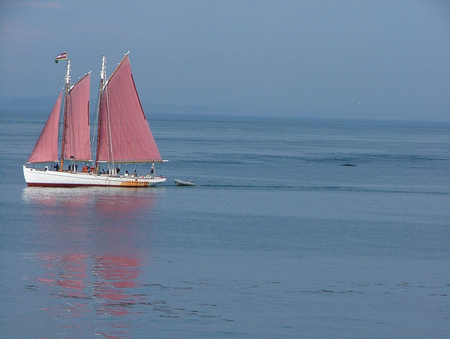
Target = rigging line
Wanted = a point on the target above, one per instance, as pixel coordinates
(94, 123)
(70, 125)
(58, 88)
(85, 57)
(55, 94)
(118, 57)
(72, 130)
(110, 151)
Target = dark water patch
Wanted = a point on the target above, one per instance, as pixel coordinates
(31, 287)
(307, 188)
(331, 292)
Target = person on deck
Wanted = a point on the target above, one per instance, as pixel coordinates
(152, 171)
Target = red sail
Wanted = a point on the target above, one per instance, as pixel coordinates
(124, 133)
(46, 148)
(77, 137)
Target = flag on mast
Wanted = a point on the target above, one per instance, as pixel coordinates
(62, 56)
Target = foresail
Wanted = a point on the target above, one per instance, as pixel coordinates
(124, 133)
(46, 148)
(77, 134)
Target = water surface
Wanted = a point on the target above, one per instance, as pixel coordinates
(277, 240)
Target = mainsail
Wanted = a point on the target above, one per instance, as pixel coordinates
(46, 148)
(77, 135)
(124, 133)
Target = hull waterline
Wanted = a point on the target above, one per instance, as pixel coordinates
(46, 178)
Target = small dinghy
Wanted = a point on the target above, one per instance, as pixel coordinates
(184, 183)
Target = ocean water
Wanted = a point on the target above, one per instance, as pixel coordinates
(278, 240)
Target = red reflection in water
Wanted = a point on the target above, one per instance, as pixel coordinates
(108, 281)
(115, 276)
(97, 269)
(69, 273)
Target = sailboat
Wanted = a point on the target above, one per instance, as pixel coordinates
(123, 136)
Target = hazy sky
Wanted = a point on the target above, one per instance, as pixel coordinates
(366, 59)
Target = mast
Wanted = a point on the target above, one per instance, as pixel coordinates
(66, 91)
(100, 106)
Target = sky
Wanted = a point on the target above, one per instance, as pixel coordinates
(335, 59)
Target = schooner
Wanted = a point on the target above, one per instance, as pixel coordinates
(123, 135)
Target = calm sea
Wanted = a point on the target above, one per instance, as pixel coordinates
(278, 239)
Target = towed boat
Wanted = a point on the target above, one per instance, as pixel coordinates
(123, 135)
(184, 183)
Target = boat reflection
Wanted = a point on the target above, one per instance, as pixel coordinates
(94, 245)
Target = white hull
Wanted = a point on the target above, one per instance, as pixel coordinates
(36, 177)
(184, 183)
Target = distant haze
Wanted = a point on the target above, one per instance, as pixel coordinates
(338, 59)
